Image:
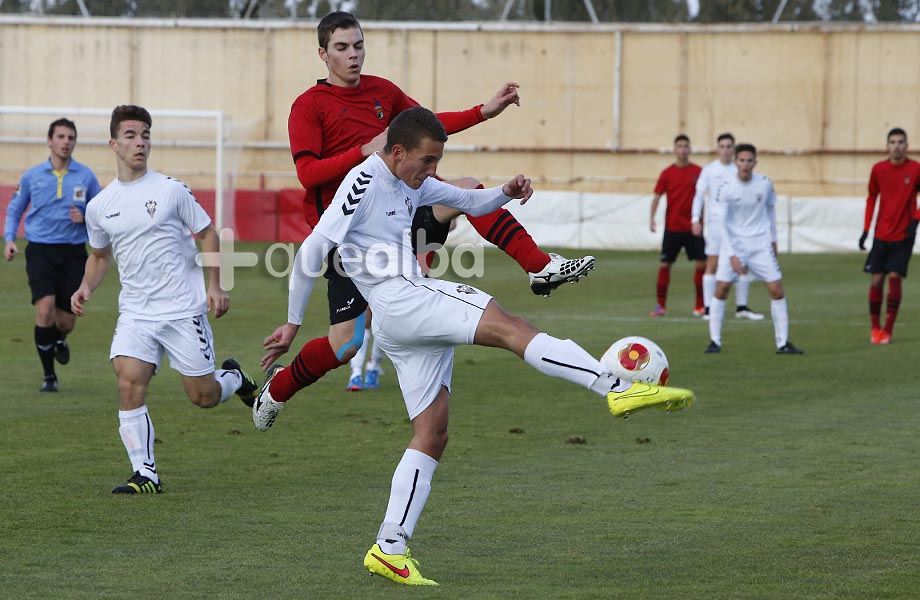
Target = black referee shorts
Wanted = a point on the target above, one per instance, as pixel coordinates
(674, 241)
(55, 270)
(345, 301)
(889, 257)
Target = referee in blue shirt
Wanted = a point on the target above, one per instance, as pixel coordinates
(58, 190)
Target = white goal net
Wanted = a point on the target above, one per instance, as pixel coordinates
(190, 145)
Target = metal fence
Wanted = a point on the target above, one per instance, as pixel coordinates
(592, 11)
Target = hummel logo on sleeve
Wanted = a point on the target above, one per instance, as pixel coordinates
(357, 191)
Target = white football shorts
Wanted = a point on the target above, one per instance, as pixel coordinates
(758, 257)
(418, 322)
(188, 343)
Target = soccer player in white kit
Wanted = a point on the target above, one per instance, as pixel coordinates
(145, 220)
(747, 224)
(420, 320)
(703, 210)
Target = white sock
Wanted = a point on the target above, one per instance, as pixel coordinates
(357, 363)
(229, 382)
(709, 288)
(716, 314)
(137, 435)
(567, 360)
(780, 313)
(408, 494)
(742, 288)
(376, 355)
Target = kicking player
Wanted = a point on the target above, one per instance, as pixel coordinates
(704, 207)
(335, 125)
(678, 181)
(746, 210)
(420, 320)
(145, 220)
(894, 183)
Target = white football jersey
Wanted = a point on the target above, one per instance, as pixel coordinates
(747, 213)
(149, 224)
(711, 178)
(370, 219)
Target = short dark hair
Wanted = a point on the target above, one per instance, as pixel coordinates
(725, 136)
(62, 122)
(745, 148)
(412, 126)
(896, 131)
(335, 20)
(128, 112)
(681, 137)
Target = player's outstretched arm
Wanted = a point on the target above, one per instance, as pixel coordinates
(97, 265)
(218, 298)
(308, 265)
(506, 95)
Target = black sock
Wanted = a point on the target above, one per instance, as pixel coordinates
(45, 338)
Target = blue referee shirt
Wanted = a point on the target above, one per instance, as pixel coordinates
(51, 195)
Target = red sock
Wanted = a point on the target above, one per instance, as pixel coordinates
(313, 361)
(698, 282)
(664, 279)
(425, 260)
(503, 230)
(875, 306)
(894, 302)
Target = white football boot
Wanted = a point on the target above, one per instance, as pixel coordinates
(744, 312)
(265, 409)
(560, 270)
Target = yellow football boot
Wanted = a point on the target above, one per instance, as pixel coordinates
(642, 395)
(401, 568)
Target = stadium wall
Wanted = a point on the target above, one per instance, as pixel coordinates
(600, 106)
(560, 219)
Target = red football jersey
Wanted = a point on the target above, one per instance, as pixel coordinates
(679, 184)
(895, 186)
(329, 123)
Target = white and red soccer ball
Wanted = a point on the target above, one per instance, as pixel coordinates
(637, 358)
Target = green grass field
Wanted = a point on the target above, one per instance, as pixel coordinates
(791, 477)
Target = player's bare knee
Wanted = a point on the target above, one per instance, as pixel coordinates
(44, 311)
(65, 322)
(347, 354)
(432, 442)
(204, 398)
(131, 392)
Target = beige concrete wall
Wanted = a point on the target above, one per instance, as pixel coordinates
(816, 100)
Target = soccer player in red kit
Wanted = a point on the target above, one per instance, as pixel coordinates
(333, 127)
(894, 182)
(678, 182)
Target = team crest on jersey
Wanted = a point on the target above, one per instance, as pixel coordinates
(409, 205)
(759, 197)
(907, 180)
(379, 109)
(151, 207)
(465, 289)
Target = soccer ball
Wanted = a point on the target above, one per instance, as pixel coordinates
(637, 359)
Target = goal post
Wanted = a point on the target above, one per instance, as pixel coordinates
(25, 134)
